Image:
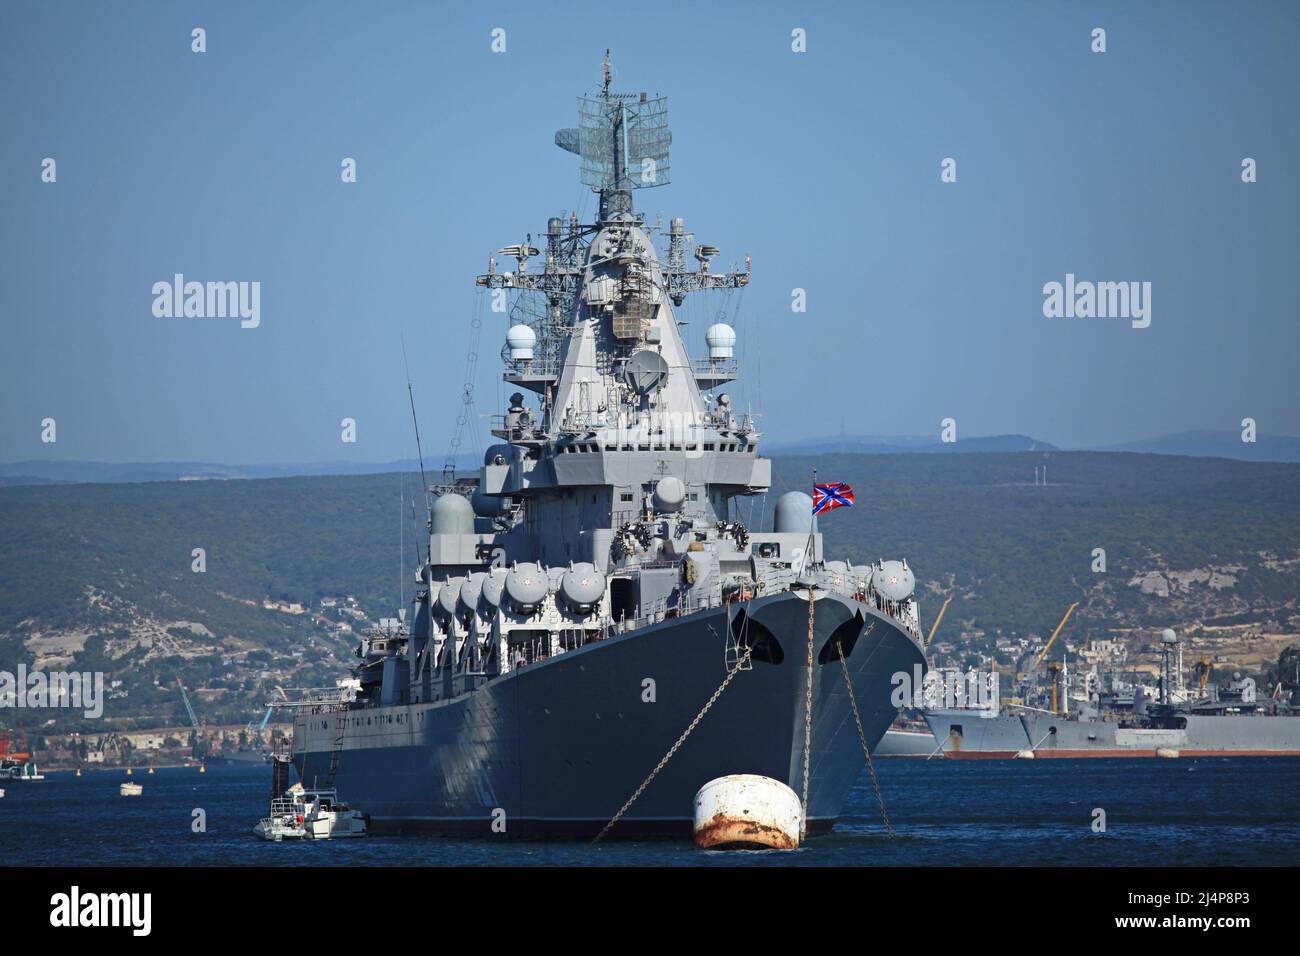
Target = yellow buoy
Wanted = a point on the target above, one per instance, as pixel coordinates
(151, 769)
(128, 771)
(78, 771)
(202, 769)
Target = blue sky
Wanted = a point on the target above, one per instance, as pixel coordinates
(924, 298)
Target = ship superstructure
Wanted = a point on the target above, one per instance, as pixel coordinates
(588, 590)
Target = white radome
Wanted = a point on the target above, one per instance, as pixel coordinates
(520, 340)
(669, 493)
(721, 339)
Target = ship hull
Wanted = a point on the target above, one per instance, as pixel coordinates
(1230, 735)
(1047, 736)
(556, 748)
(906, 743)
(972, 734)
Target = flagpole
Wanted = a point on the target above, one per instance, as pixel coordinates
(812, 541)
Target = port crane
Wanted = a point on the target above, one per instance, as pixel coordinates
(1050, 641)
(194, 721)
(935, 626)
(252, 734)
(1055, 669)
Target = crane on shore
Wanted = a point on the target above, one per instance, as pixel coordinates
(1052, 640)
(934, 627)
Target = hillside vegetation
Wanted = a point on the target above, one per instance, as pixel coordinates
(104, 570)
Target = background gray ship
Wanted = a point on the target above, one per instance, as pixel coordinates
(588, 591)
(1097, 715)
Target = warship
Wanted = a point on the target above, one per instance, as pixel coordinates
(1115, 718)
(593, 590)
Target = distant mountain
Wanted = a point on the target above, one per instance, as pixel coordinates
(38, 472)
(1195, 444)
(1212, 444)
(904, 444)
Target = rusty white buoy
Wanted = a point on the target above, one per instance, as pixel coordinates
(745, 811)
(1168, 753)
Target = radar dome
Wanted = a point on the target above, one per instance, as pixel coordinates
(520, 340)
(449, 593)
(583, 584)
(669, 493)
(527, 584)
(793, 513)
(1167, 636)
(721, 339)
(451, 514)
(894, 580)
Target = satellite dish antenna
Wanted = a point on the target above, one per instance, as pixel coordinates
(645, 371)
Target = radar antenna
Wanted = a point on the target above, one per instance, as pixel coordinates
(623, 140)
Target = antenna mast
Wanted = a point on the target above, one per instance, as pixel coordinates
(410, 394)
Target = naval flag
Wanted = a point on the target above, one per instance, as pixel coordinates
(829, 497)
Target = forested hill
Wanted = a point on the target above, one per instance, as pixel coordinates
(105, 570)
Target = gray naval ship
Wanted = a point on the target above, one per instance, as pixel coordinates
(1109, 717)
(589, 590)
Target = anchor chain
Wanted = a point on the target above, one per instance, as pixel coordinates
(857, 720)
(807, 720)
(680, 740)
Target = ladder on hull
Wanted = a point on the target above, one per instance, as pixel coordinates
(336, 757)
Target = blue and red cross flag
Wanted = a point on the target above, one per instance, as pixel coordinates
(829, 497)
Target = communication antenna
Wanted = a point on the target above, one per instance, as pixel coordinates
(401, 539)
(410, 394)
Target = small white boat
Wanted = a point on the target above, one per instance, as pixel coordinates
(130, 789)
(2, 793)
(310, 815)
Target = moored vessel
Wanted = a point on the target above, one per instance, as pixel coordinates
(593, 591)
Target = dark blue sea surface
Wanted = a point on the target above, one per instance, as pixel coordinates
(1186, 812)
